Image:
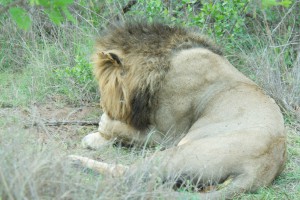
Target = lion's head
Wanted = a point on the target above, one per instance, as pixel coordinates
(131, 61)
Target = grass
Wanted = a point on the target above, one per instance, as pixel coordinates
(45, 74)
(34, 64)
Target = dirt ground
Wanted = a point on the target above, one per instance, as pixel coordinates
(66, 126)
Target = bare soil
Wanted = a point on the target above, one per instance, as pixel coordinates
(36, 118)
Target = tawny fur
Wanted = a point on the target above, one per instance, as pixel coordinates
(157, 81)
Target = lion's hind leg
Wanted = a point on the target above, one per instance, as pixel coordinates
(230, 190)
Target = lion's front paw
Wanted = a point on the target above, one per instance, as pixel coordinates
(105, 124)
(94, 141)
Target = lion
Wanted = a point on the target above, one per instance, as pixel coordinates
(158, 81)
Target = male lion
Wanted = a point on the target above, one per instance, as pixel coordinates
(157, 80)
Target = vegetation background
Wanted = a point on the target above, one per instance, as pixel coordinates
(46, 79)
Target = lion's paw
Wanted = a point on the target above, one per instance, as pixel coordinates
(94, 141)
(105, 123)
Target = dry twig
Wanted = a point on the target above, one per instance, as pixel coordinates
(62, 123)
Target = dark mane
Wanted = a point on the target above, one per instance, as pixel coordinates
(155, 38)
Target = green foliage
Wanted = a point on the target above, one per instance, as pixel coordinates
(270, 3)
(149, 10)
(5, 2)
(79, 74)
(223, 17)
(220, 19)
(21, 17)
(217, 18)
(155, 8)
(56, 10)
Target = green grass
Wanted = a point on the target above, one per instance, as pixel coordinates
(51, 74)
(20, 89)
(34, 85)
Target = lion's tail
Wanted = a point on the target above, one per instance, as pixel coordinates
(115, 170)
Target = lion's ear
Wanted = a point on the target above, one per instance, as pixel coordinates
(110, 57)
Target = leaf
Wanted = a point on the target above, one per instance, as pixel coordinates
(268, 3)
(33, 2)
(55, 16)
(61, 3)
(286, 3)
(21, 17)
(44, 3)
(68, 15)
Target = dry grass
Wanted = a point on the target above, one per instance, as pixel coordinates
(278, 74)
(33, 160)
(33, 164)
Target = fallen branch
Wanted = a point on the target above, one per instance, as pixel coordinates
(62, 123)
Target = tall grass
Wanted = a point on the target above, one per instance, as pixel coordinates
(34, 63)
(33, 168)
(271, 57)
